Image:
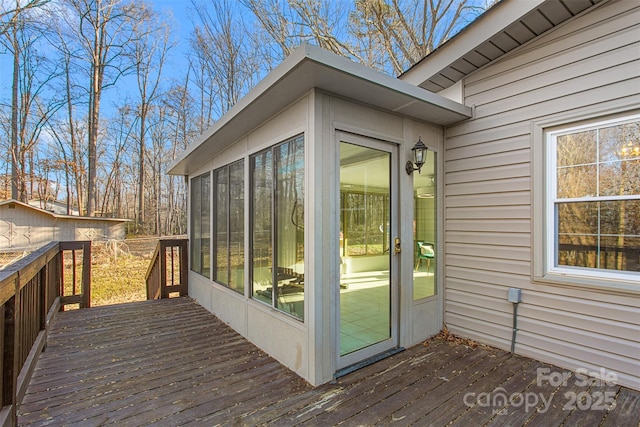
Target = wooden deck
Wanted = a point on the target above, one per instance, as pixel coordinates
(170, 362)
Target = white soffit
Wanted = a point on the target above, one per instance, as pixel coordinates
(506, 26)
(311, 67)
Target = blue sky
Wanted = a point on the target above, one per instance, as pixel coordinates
(180, 10)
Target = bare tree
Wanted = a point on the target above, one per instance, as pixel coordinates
(149, 52)
(30, 110)
(11, 11)
(76, 162)
(102, 29)
(289, 23)
(394, 34)
(388, 35)
(226, 53)
(277, 21)
(180, 114)
(205, 87)
(120, 131)
(64, 158)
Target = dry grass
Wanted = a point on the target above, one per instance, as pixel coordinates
(117, 272)
(119, 281)
(118, 275)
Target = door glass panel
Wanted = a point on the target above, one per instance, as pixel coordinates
(365, 287)
(424, 229)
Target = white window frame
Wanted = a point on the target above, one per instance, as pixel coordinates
(575, 274)
(192, 248)
(214, 226)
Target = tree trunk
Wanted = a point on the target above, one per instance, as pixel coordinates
(15, 152)
(94, 117)
(141, 171)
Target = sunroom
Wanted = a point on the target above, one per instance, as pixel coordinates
(313, 218)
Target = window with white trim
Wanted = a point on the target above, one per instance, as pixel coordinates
(277, 226)
(200, 238)
(228, 226)
(593, 199)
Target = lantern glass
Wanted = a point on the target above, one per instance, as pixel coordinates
(419, 157)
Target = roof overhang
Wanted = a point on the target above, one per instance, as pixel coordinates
(310, 67)
(507, 25)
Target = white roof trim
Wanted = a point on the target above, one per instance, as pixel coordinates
(55, 215)
(504, 27)
(490, 23)
(310, 67)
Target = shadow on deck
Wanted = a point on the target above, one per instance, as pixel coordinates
(170, 362)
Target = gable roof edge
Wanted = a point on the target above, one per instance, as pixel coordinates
(485, 26)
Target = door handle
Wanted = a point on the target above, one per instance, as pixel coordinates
(397, 248)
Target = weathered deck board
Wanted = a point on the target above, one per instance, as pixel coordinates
(170, 362)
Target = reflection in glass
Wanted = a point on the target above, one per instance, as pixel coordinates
(580, 148)
(603, 235)
(236, 226)
(221, 187)
(578, 219)
(620, 178)
(200, 225)
(206, 225)
(196, 225)
(424, 229)
(620, 235)
(261, 235)
(577, 181)
(277, 234)
(620, 142)
(228, 183)
(289, 219)
(597, 201)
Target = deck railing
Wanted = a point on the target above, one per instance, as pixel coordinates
(167, 273)
(605, 257)
(77, 288)
(32, 290)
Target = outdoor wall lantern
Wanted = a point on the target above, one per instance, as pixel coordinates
(419, 157)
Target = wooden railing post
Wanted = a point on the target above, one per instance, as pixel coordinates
(86, 275)
(164, 291)
(83, 299)
(184, 267)
(156, 277)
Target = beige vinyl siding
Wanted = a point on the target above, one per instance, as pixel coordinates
(588, 66)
